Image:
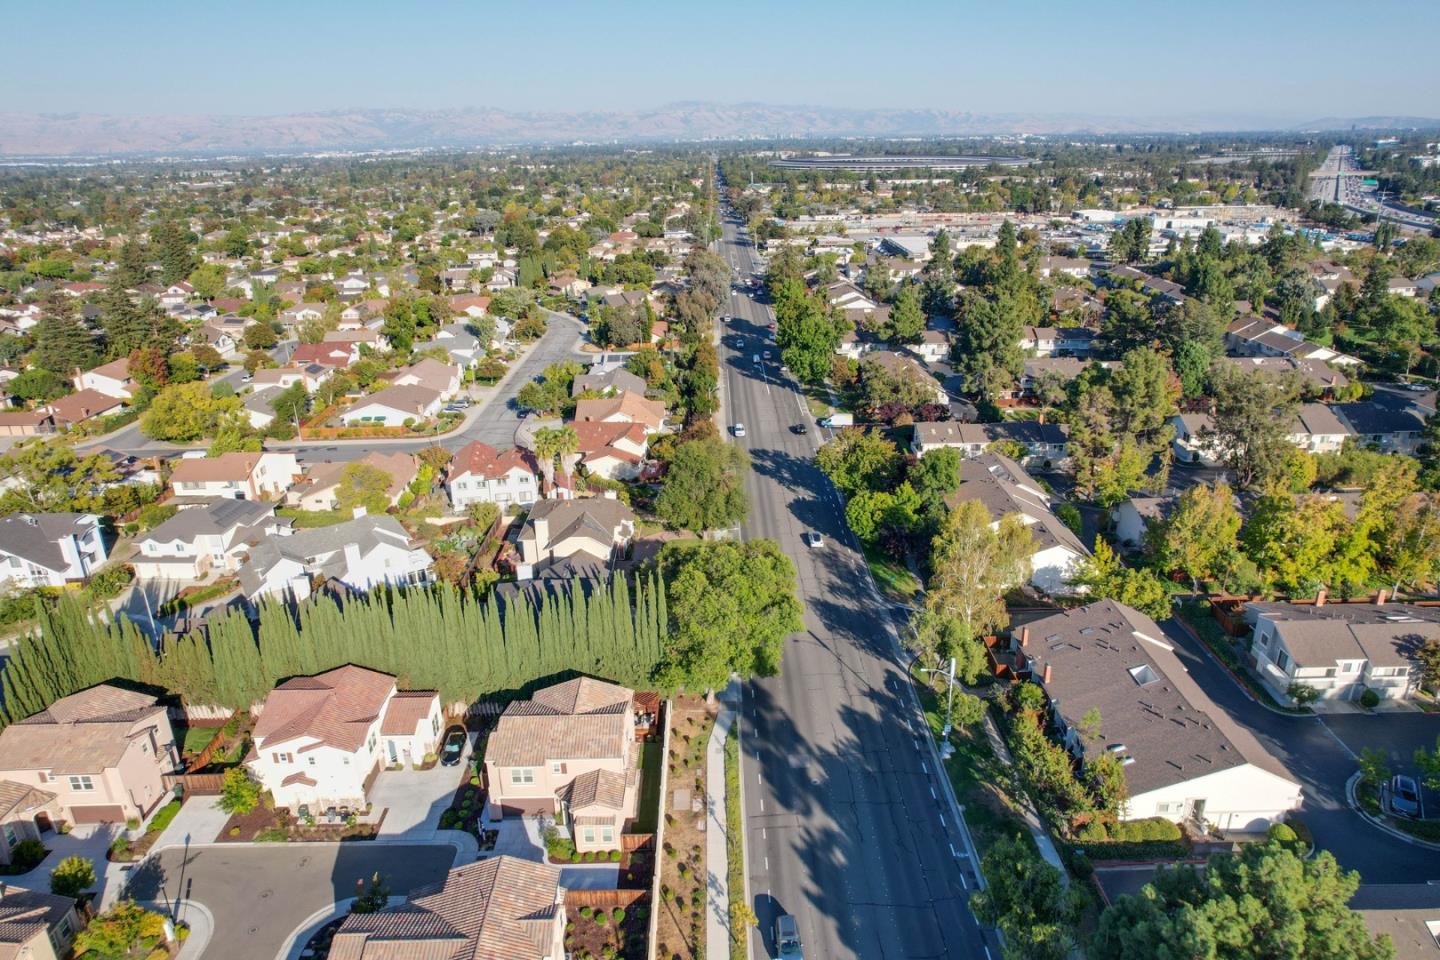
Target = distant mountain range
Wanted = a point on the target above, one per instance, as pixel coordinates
(92, 135)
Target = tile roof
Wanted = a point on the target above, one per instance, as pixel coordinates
(82, 405)
(627, 404)
(26, 913)
(85, 732)
(21, 799)
(405, 711)
(594, 788)
(336, 707)
(227, 466)
(407, 398)
(484, 461)
(502, 908)
(580, 718)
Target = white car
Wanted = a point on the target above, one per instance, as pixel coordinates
(738, 429)
(814, 539)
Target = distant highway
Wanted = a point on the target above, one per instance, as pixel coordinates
(1340, 180)
(886, 164)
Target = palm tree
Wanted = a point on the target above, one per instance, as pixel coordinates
(552, 444)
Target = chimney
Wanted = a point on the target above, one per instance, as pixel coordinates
(1046, 677)
(1381, 596)
(1024, 636)
(1320, 598)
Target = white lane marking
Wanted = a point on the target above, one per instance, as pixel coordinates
(963, 884)
(767, 864)
(925, 767)
(987, 949)
(943, 823)
(932, 794)
(764, 834)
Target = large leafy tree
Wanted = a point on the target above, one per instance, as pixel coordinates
(1105, 576)
(187, 412)
(1251, 423)
(857, 460)
(806, 329)
(907, 316)
(704, 486)
(363, 485)
(1263, 903)
(973, 565)
(731, 605)
(1292, 541)
(1199, 534)
(1025, 898)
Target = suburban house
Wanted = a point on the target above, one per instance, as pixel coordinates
(597, 529)
(568, 753)
(360, 553)
(1386, 422)
(83, 405)
(1076, 267)
(320, 741)
(26, 813)
(36, 925)
(50, 549)
(625, 407)
(204, 539)
(1318, 376)
(612, 450)
(319, 488)
(479, 473)
(1340, 649)
(501, 907)
(1193, 441)
(393, 407)
(1057, 341)
(608, 383)
(235, 476)
(299, 313)
(1004, 487)
(1183, 757)
(1132, 518)
(112, 379)
(1314, 428)
(902, 366)
(102, 752)
(1252, 336)
(311, 374)
(432, 375)
(1044, 443)
(26, 423)
(330, 353)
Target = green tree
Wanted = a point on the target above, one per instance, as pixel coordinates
(292, 403)
(806, 330)
(1251, 423)
(731, 606)
(239, 794)
(974, 565)
(72, 876)
(857, 460)
(1198, 534)
(1105, 576)
(1262, 902)
(907, 316)
(704, 486)
(62, 345)
(1024, 897)
(187, 412)
(1292, 541)
(363, 485)
(208, 279)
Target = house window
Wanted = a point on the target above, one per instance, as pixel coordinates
(82, 782)
(607, 834)
(1348, 666)
(283, 757)
(1168, 808)
(587, 834)
(435, 726)
(372, 736)
(522, 775)
(1282, 660)
(10, 838)
(557, 767)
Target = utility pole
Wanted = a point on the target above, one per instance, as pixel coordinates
(949, 674)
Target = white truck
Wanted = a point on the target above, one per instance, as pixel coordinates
(837, 420)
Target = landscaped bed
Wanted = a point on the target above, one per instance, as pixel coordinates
(124, 850)
(680, 931)
(600, 933)
(268, 825)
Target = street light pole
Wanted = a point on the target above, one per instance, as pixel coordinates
(949, 674)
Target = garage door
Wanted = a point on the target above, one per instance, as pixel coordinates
(101, 813)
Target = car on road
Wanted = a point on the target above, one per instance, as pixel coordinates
(246, 378)
(787, 938)
(452, 748)
(755, 358)
(738, 429)
(1417, 387)
(813, 539)
(765, 354)
(800, 428)
(1404, 796)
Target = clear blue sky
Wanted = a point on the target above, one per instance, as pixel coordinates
(1278, 58)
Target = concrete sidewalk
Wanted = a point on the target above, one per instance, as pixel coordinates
(1027, 809)
(717, 880)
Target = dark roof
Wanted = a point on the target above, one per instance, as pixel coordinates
(1153, 715)
(214, 518)
(36, 536)
(1004, 487)
(1377, 416)
(1387, 635)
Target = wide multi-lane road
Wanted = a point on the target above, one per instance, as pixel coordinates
(846, 819)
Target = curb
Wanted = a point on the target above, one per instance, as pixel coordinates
(1244, 689)
(300, 936)
(200, 933)
(1350, 787)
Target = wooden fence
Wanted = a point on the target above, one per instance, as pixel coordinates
(203, 758)
(630, 842)
(196, 784)
(608, 899)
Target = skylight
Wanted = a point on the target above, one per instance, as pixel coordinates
(1144, 674)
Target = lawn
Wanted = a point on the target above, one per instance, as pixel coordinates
(891, 577)
(197, 739)
(648, 817)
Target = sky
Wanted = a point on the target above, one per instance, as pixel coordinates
(1288, 59)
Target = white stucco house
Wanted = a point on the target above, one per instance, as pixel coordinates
(394, 407)
(320, 741)
(200, 540)
(235, 476)
(50, 549)
(1183, 757)
(360, 553)
(478, 473)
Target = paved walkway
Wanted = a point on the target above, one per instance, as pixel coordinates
(91, 841)
(200, 820)
(717, 903)
(1032, 820)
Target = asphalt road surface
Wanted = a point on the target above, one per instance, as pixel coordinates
(845, 828)
(259, 895)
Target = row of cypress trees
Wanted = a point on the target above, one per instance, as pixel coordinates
(468, 647)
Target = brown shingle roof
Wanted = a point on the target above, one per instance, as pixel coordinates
(227, 466)
(52, 740)
(626, 404)
(484, 461)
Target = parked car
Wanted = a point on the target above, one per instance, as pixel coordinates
(452, 749)
(1404, 796)
(800, 428)
(787, 938)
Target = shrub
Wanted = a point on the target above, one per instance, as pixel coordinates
(26, 855)
(587, 912)
(614, 856)
(238, 793)
(1369, 699)
(272, 835)
(618, 914)
(72, 876)
(1092, 832)
(601, 919)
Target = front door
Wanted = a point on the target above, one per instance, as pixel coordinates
(394, 753)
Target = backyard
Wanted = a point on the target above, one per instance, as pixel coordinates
(606, 933)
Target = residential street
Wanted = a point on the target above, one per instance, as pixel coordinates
(259, 894)
(1319, 754)
(844, 827)
(493, 419)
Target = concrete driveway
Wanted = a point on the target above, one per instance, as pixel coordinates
(414, 799)
(259, 894)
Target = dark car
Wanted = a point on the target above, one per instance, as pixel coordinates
(1404, 796)
(452, 750)
(800, 428)
(787, 938)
